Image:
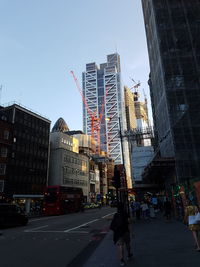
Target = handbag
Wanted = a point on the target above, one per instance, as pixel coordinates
(194, 219)
(197, 217)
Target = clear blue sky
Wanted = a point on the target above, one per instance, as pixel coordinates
(42, 40)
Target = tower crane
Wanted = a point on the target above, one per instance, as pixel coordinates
(95, 119)
(135, 87)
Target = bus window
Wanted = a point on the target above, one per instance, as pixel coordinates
(51, 195)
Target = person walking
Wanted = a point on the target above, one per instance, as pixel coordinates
(120, 226)
(167, 209)
(191, 210)
(145, 210)
(133, 209)
(137, 210)
(152, 211)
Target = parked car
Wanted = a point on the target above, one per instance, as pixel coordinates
(12, 215)
(94, 205)
(90, 205)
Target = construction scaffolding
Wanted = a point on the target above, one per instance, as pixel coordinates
(138, 135)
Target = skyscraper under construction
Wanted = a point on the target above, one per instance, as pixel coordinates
(173, 38)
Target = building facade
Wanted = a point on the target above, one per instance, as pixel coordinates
(106, 173)
(5, 149)
(130, 109)
(173, 38)
(26, 168)
(141, 157)
(102, 89)
(87, 144)
(103, 92)
(87, 147)
(140, 146)
(67, 167)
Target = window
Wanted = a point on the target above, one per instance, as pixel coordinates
(2, 169)
(6, 134)
(4, 152)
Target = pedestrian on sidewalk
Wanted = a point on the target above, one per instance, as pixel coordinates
(133, 209)
(137, 210)
(152, 211)
(145, 210)
(120, 226)
(167, 209)
(191, 210)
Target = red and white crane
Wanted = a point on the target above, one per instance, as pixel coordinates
(95, 118)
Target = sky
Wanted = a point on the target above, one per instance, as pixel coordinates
(41, 41)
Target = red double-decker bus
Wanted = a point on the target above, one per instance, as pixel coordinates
(61, 200)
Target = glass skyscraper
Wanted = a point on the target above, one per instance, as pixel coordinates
(173, 38)
(102, 90)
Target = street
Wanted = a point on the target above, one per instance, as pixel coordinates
(66, 240)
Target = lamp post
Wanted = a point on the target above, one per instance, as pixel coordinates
(125, 178)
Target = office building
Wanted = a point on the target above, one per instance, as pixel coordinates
(102, 90)
(87, 144)
(67, 167)
(173, 38)
(5, 151)
(26, 166)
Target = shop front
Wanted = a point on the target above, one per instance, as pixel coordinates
(31, 204)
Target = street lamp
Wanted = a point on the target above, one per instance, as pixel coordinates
(125, 178)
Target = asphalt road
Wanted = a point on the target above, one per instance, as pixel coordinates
(56, 241)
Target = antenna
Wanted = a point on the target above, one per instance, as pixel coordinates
(116, 48)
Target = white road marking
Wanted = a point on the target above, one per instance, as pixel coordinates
(43, 218)
(108, 215)
(46, 231)
(79, 232)
(73, 232)
(33, 229)
(68, 230)
(36, 230)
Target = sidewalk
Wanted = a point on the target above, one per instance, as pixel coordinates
(157, 243)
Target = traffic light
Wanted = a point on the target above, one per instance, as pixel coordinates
(116, 181)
